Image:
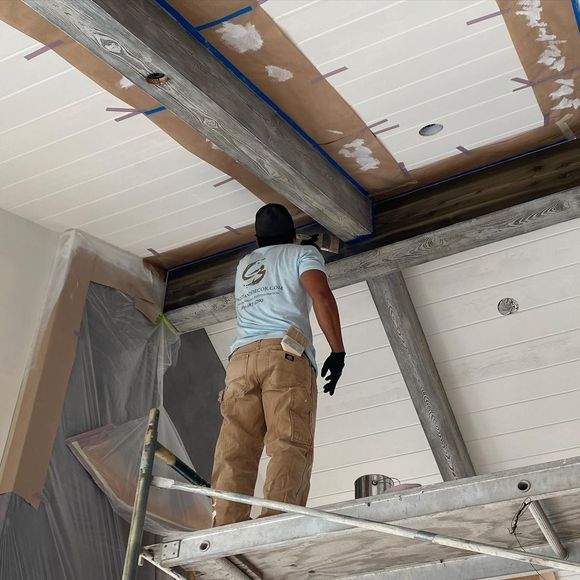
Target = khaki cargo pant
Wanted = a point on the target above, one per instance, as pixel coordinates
(269, 400)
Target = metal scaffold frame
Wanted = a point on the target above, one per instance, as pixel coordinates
(203, 546)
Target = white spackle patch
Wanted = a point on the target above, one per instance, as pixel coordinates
(213, 145)
(567, 103)
(361, 154)
(125, 83)
(552, 55)
(278, 73)
(335, 132)
(566, 88)
(240, 37)
(553, 58)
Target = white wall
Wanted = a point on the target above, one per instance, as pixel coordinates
(513, 381)
(27, 251)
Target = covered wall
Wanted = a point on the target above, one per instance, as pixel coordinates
(27, 251)
(115, 378)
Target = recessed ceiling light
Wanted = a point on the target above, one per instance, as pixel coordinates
(431, 129)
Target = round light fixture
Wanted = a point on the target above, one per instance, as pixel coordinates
(431, 129)
(507, 306)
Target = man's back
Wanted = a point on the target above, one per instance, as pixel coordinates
(269, 295)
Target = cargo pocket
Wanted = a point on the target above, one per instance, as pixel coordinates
(236, 380)
(301, 417)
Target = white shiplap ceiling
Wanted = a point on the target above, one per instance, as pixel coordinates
(416, 62)
(66, 163)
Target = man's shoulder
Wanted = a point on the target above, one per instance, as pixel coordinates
(287, 251)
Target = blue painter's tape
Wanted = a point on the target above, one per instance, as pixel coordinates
(153, 111)
(233, 69)
(576, 8)
(468, 172)
(224, 19)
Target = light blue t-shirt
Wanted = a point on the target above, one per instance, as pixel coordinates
(270, 297)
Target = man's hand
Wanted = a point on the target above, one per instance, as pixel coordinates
(333, 365)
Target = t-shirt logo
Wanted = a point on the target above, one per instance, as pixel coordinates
(254, 273)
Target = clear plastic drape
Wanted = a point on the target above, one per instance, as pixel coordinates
(116, 378)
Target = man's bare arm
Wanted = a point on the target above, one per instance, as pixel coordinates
(316, 285)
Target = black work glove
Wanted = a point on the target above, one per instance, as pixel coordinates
(333, 365)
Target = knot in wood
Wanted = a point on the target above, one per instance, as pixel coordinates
(110, 44)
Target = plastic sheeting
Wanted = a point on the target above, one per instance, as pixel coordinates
(112, 456)
(80, 260)
(117, 376)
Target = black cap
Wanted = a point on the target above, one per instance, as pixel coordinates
(274, 225)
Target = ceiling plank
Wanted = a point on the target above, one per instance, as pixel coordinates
(466, 235)
(137, 38)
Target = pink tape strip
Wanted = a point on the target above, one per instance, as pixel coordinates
(463, 149)
(488, 16)
(124, 110)
(526, 83)
(43, 49)
(129, 115)
(330, 74)
(377, 123)
(404, 170)
(233, 230)
(223, 182)
(386, 129)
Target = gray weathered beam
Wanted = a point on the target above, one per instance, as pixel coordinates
(426, 390)
(493, 227)
(137, 38)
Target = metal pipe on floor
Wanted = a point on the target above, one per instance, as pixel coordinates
(141, 496)
(546, 528)
(171, 573)
(392, 529)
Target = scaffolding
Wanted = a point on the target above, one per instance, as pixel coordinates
(427, 529)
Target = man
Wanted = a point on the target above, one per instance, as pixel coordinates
(270, 394)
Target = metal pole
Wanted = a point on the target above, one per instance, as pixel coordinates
(151, 560)
(545, 526)
(141, 495)
(392, 529)
(179, 466)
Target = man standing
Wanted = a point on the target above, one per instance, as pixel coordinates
(270, 394)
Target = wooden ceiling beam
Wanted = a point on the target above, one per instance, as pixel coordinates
(471, 196)
(500, 225)
(138, 38)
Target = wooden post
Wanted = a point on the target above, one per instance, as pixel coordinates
(412, 352)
